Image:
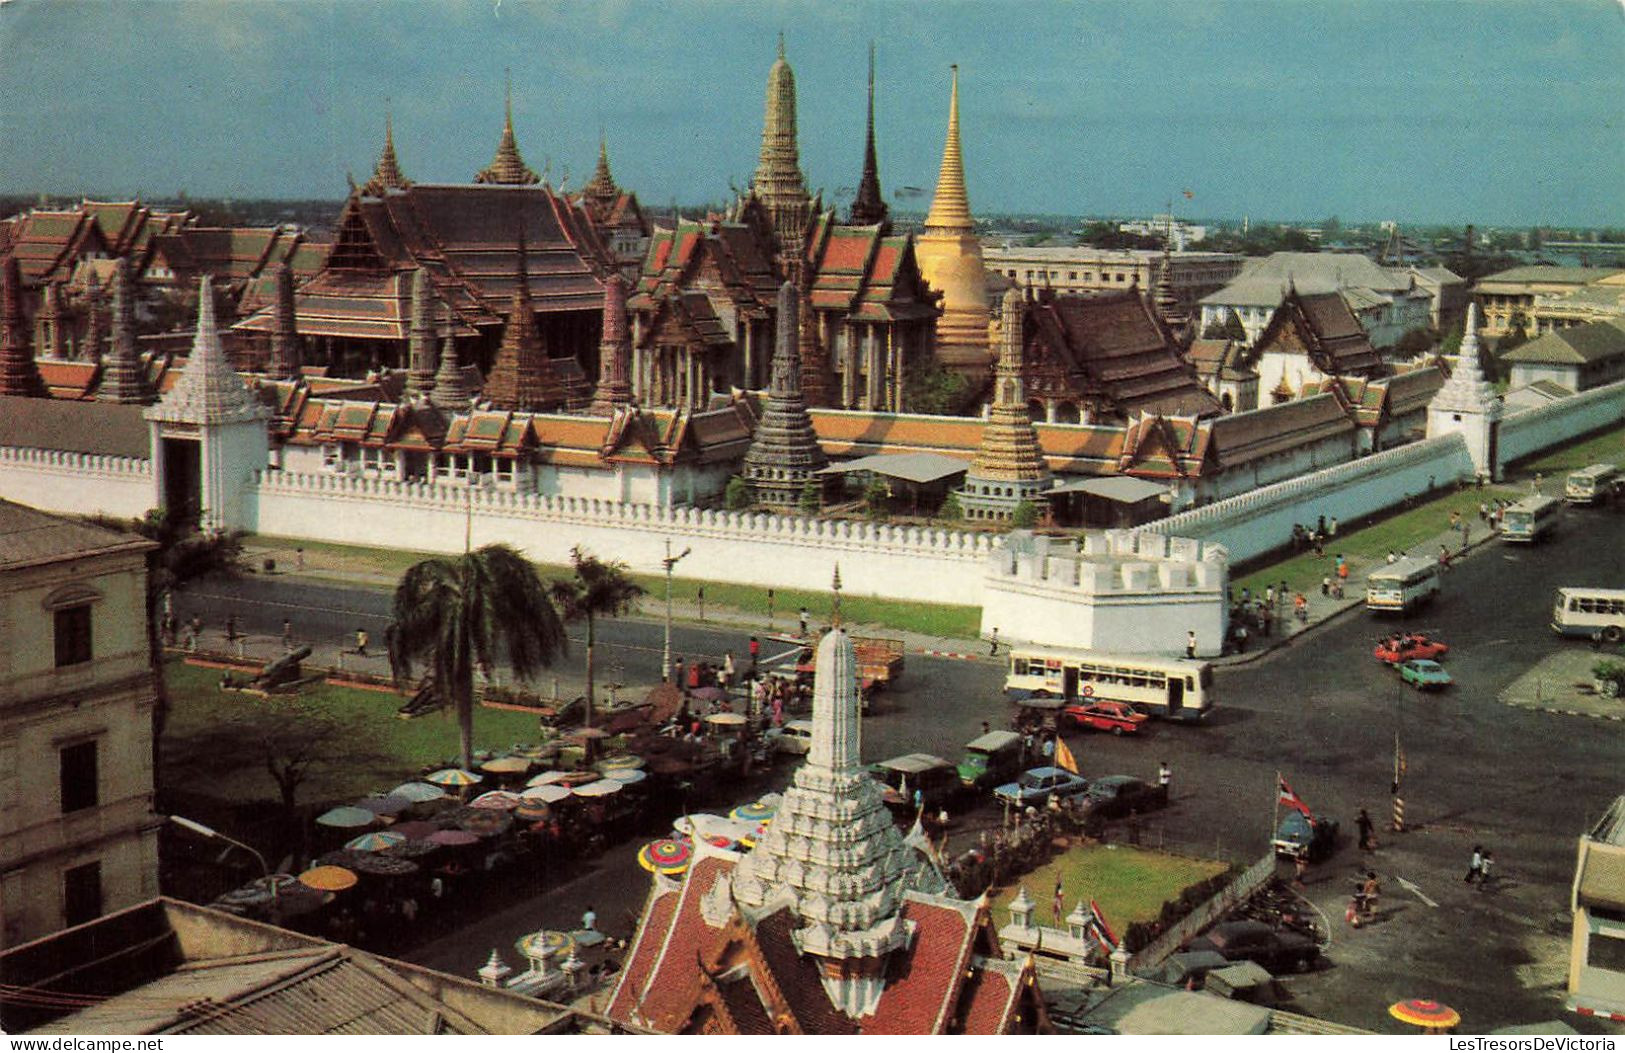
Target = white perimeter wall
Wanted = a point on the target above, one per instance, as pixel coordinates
(77, 483)
(1534, 430)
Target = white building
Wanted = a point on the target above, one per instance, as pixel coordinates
(1389, 302)
(1082, 268)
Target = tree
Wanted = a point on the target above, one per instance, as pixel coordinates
(452, 615)
(598, 588)
(1418, 341)
(951, 508)
(875, 496)
(1024, 516)
(933, 388)
(736, 497)
(811, 501)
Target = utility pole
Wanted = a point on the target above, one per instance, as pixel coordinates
(665, 654)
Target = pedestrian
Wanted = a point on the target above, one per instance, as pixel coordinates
(1444, 558)
(361, 641)
(287, 634)
(803, 621)
(1464, 535)
(1268, 614)
(1027, 745)
(1342, 575)
(1300, 607)
(755, 653)
(1190, 643)
(169, 628)
(1269, 595)
(1300, 867)
(993, 643)
(1246, 595)
(1165, 775)
(299, 558)
(1241, 639)
(1484, 866)
(1331, 527)
(1483, 506)
(1475, 866)
(1326, 585)
(1049, 748)
(1534, 484)
(1320, 526)
(1365, 825)
(1392, 559)
(231, 626)
(589, 919)
(677, 671)
(986, 727)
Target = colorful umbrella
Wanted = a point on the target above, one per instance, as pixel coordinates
(388, 804)
(620, 760)
(525, 749)
(700, 825)
(452, 838)
(385, 865)
(328, 879)
(665, 856)
(346, 818)
(601, 788)
(754, 812)
(532, 811)
(542, 944)
(418, 792)
(411, 849)
(726, 720)
(376, 841)
(496, 800)
(453, 777)
(506, 765)
(1425, 1013)
(544, 794)
(548, 778)
(625, 776)
(486, 822)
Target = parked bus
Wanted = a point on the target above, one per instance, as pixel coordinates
(1176, 688)
(1530, 518)
(1587, 612)
(1591, 485)
(1402, 585)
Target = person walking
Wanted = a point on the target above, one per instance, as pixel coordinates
(1165, 777)
(677, 671)
(1475, 866)
(1484, 866)
(727, 676)
(1392, 558)
(1325, 584)
(194, 629)
(231, 626)
(287, 634)
(993, 642)
(1190, 643)
(1269, 595)
(804, 621)
(589, 919)
(755, 654)
(1331, 527)
(361, 642)
(1365, 825)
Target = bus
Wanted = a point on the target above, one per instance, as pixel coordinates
(1402, 585)
(1176, 688)
(1530, 518)
(1588, 612)
(1591, 485)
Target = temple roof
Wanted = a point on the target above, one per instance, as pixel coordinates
(209, 392)
(1573, 346)
(47, 244)
(74, 426)
(1322, 326)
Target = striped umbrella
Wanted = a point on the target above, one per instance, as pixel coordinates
(496, 800)
(418, 792)
(376, 841)
(544, 794)
(452, 838)
(620, 760)
(625, 776)
(453, 777)
(328, 879)
(548, 778)
(754, 812)
(532, 811)
(1425, 1013)
(666, 856)
(506, 765)
(542, 944)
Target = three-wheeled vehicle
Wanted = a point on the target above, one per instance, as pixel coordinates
(1297, 836)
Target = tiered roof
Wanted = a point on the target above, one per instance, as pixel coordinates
(1009, 447)
(865, 274)
(507, 168)
(48, 244)
(1323, 327)
(784, 453)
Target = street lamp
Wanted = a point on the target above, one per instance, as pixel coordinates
(665, 655)
(215, 835)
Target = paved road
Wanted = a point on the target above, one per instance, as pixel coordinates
(1321, 710)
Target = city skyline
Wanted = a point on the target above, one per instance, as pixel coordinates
(1364, 109)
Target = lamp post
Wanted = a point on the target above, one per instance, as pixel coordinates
(665, 655)
(215, 835)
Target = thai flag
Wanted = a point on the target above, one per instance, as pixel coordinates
(1292, 800)
(1099, 929)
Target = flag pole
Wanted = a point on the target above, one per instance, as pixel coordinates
(1275, 814)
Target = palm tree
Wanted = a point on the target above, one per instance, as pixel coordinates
(455, 614)
(598, 588)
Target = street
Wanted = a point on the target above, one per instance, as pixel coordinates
(1321, 711)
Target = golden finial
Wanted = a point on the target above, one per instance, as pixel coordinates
(950, 206)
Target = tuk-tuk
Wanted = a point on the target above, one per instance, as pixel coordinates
(1036, 714)
(1298, 836)
(992, 759)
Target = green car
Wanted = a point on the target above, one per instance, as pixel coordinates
(1423, 673)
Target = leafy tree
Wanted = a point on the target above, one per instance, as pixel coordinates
(933, 388)
(1451, 344)
(598, 588)
(1418, 341)
(875, 496)
(1535, 240)
(737, 496)
(1024, 516)
(453, 614)
(811, 501)
(951, 508)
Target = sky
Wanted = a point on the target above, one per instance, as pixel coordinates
(1497, 112)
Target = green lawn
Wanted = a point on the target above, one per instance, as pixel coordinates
(1604, 447)
(215, 743)
(1130, 884)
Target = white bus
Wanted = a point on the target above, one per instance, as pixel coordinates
(1176, 688)
(1587, 612)
(1402, 585)
(1530, 518)
(1590, 485)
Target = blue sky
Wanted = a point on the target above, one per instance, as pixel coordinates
(1486, 111)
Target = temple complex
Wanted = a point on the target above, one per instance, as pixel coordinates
(616, 213)
(950, 259)
(1009, 467)
(1311, 336)
(784, 453)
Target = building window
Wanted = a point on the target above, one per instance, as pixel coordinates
(72, 635)
(77, 765)
(82, 894)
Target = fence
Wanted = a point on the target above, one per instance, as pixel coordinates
(1536, 429)
(1152, 955)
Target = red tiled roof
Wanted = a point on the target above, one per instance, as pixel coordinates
(920, 996)
(669, 993)
(69, 380)
(988, 1003)
(796, 978)
(655, 926)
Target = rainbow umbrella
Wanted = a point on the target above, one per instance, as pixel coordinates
(376, 841)
(346, 818)
(1425, 1013)
(754, 812)
(625, 776)
(532, 811)
(666, 856)
(452, 777)
(496, 800)
(620, 760)
(544, 794)
(418, 792)
(328, 879)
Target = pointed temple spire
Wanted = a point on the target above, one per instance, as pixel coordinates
(52, 344)
(950, 206)
(517, 380)
(123, 379)
(1169, 308)
(387, 175)
(507, 167)
(209, 391)
(1467, 405)
(614, 352)
(600, 192)
(784, 453)
(1009, 466)
(868, 207)
(18, 373)
(420, 338)
(451, 388)
(778, 182)
(286, 356)
(95, 323)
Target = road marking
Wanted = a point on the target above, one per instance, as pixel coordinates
(1418, 892)
(950, 654)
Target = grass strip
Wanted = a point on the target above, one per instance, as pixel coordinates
(1130, 884)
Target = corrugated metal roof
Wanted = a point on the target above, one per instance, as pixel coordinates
(28, 535)
(912, 467)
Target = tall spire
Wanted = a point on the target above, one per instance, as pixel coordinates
(286, 357)
(209, 391)
(516, 380)
(600, 192)
(614, 352)
(778, 183)
(1009, 466)
(950, 207)
(95, 324)
(507, 167)
(1169, 308)
(387, 175)
(18, 373)
(122, 377)
(784, 453)
(451, 387)
(420, 338)
(868, 206)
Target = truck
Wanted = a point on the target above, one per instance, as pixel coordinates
(880, 662)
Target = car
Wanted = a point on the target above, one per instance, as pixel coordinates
(1119, 718)
(1405, 646)
(992, 759)
(794, 738)
(918, 776)
(1037, 785)
(1298, 836)
(1278, 950)
(1424, 673)
(1113, 796)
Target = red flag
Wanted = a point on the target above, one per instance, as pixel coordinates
(1189, 195)
(1055, 907)
(1292, 800)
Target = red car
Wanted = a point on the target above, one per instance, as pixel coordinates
(1115, 717)
(1405, 646)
